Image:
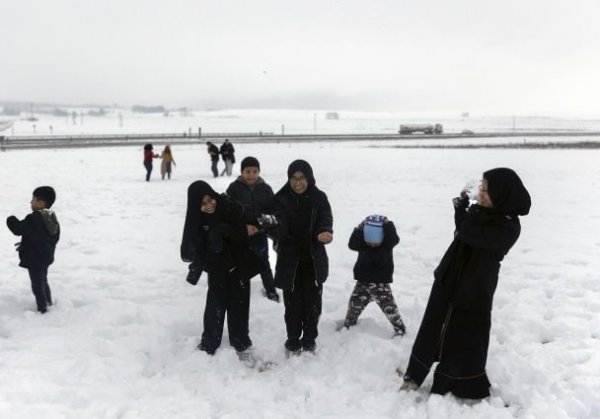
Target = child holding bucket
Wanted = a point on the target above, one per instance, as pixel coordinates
(374, 240)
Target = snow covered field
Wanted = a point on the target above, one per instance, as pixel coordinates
(274, 121)
(121, 340)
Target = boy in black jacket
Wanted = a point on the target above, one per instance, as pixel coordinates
(254, 194)
(374, 240)
(40, 231)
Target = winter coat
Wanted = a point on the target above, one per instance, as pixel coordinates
(254, 198)
(456, 324)
(40, 231)
(374, 264)
(227, 152)
(213, 150)
(290, 249)
(217, 243)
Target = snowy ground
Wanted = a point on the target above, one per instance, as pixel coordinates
(121, 340)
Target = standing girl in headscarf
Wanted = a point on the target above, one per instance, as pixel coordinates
(215, 240)
(305, 227)
(455, 329)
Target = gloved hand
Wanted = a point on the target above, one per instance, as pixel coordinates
(267, 221)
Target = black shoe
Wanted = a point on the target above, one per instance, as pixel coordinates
(272, 295)
(293, 345)
(205, 349)
(309, 346)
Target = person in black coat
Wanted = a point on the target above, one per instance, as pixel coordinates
(374, 240)
(40, 231)
(455, 329)
(215, 241)
(305, 227)
(228, 155)
(255, 194)
(213, 150)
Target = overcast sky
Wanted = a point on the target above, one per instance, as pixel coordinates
(510, 56)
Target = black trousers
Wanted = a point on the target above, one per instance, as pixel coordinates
(148, 166)
(303, 305)
(260, 245)
(232, 297)
(40, 288)
(213, 167)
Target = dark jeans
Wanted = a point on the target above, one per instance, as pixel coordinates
(148, 166)
(40, 288)
(232, 297)
(213, 167)
(260, 245)
(303, 305)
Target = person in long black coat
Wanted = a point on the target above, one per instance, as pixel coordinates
(305, 227)
(455, 329)
(215, 241)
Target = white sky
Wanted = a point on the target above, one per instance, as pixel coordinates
(514, 56)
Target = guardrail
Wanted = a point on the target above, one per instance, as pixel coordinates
(100, 140)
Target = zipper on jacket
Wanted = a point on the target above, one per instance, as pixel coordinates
(444, 330)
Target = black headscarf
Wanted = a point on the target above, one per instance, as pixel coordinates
(194, 218)
(507, 192)
(304, 167)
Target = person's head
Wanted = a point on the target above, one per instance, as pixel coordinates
(250, 170)
(167, 148)
(209, 144)
(148, 147)
(502, 190)
(226, 140)
(300, 176)
(202, 198)
(43, 198)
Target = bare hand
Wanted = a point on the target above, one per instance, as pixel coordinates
(252, 230)
(325, 237)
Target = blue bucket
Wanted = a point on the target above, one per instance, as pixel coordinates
(373, 229)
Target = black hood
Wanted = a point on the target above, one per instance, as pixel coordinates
(193, 218)
(507, 192)
(304, 167)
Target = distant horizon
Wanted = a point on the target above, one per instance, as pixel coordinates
(23, 106)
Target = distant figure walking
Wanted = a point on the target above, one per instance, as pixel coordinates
(214, 158)
(167, 162)
(148, 156)
(228, 155)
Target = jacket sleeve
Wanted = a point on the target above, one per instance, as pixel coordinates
(390, 235)
(460, 210)
(356, 241)
(324, 215)
(18, 228)
(496, 236)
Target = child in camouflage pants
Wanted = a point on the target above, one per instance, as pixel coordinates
(374, 240)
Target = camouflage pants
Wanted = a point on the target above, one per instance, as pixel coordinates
(381, 293)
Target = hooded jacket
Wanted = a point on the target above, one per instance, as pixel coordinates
(217, 242)
(374, 264)
(41, 232)
(301, 219)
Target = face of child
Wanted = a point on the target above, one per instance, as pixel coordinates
(484, 196)
(299, 182)
(250, 175)
(37, 203)
(208, 205)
